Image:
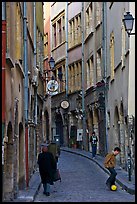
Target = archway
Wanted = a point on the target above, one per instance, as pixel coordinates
(122, 136)
(59, 127)
(9, 164)
(90, 128)
(116, 137)
(21, 158)
(96, 127)
(117, 127)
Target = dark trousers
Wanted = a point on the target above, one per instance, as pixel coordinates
(46, 187)
(94, 150)
(111, 180)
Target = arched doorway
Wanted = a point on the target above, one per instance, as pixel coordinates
(117, 128)
(59, 128)
(122, 136)
(96, 127)
(9, 164)
(90, 128)
(21, 158)
(117, 141)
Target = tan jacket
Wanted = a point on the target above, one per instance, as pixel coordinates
(110, 160)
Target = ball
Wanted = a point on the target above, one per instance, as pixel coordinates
(113, 187)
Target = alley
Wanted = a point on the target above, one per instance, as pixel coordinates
(82, 181)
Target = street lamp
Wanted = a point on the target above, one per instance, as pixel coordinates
(52, 63)
(52, 84)
(128, 23)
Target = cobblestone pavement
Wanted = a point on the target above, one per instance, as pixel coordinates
(82, 181)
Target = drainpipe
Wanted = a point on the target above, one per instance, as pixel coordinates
(66, 49)
(35, 87)
(83, 83)
(104, 48)
(66, 70)
(25, 87)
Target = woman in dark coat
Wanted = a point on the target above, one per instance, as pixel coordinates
(47, 165)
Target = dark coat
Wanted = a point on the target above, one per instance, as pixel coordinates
(93, 140)
(47, 165)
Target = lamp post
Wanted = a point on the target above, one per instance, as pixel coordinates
(128, 23)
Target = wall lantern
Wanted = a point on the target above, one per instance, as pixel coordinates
(51, 63)
(128, 23)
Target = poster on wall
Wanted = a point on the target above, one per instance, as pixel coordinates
(79, 134)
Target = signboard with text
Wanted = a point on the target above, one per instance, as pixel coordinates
(79, 134)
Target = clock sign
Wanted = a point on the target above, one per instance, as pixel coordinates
(64, 104)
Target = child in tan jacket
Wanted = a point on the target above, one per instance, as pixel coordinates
(110, 163)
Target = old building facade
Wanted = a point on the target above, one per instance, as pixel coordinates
(68, 123)
(22, 53)
(107, 88)
(120, 73)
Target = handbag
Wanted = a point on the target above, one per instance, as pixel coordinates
(56, 175)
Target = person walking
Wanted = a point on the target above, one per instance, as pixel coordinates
(93, 140)
(47, 167)
(110, 163)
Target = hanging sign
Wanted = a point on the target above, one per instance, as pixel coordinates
(52, 86)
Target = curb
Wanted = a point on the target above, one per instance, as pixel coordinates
(30, 194)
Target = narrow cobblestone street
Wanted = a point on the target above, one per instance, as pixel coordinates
(82, 181)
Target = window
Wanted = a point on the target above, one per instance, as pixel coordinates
(59, 32)
(90, 72)
(123, 46)
(63, 28)
(46, 44)
(75, 31)
(98, 13)
(54, 36)
(19, 34)
(59, 71)
(112, 64)
(75, 77)
(70, 34)
(89, 20)
(99, 65)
